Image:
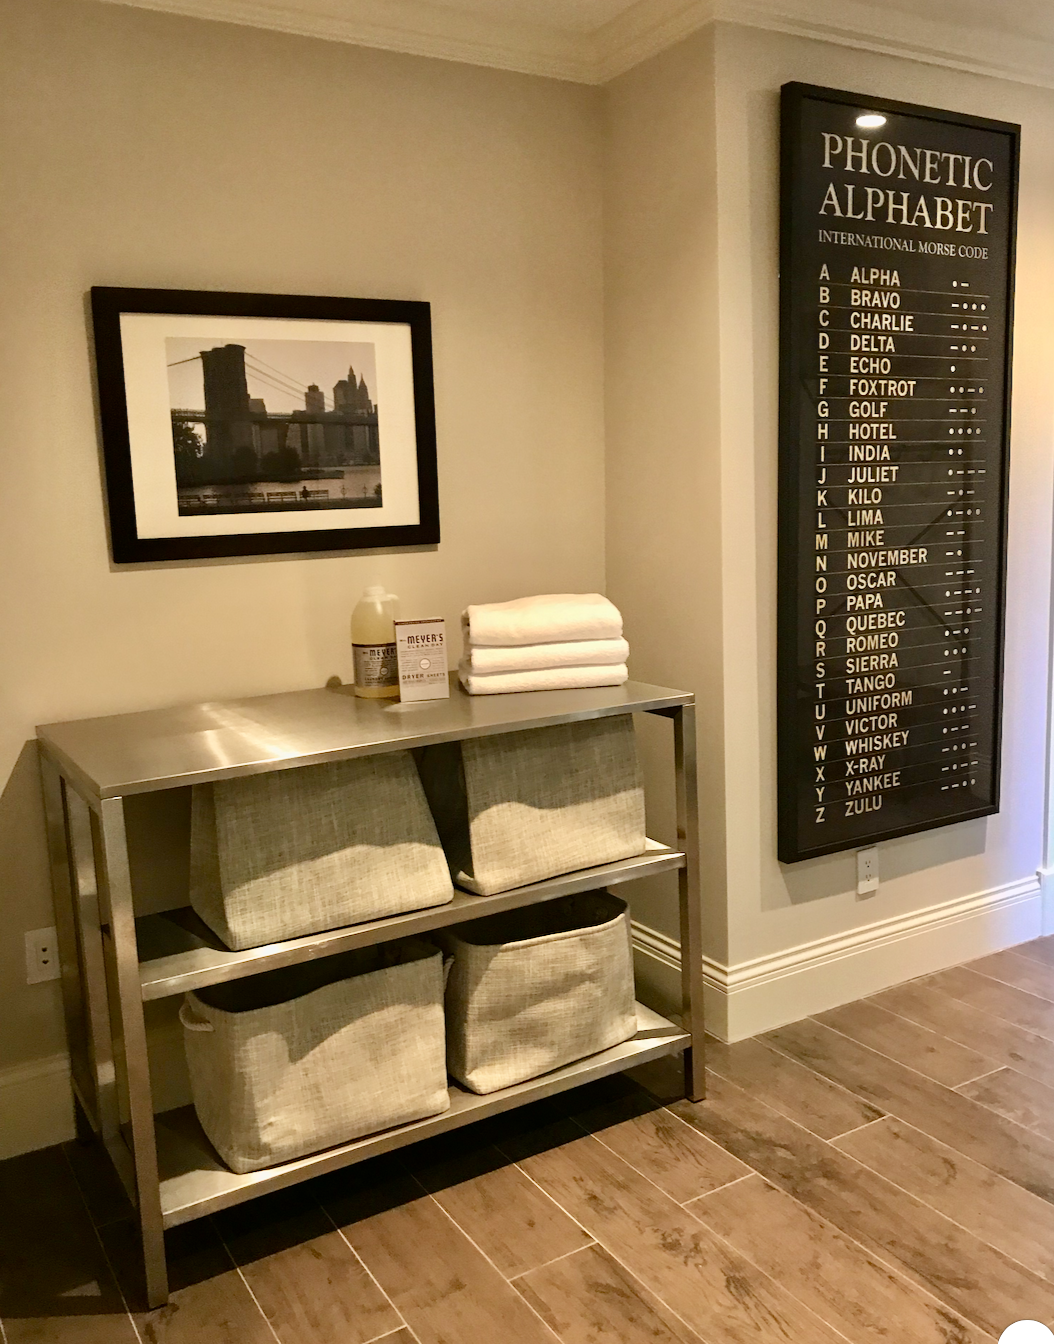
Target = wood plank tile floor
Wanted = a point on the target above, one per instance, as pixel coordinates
(881, 1172)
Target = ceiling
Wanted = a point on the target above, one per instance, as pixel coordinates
(591, 41)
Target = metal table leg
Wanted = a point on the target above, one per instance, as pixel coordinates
(115, 890)
(689, 892)
(73, 999)
(105, 1109)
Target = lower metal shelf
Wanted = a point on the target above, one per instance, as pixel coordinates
(195, 1182)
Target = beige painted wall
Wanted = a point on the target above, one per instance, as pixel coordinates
(704, 442)
(773, 906)
(663, 466)
(144, 149)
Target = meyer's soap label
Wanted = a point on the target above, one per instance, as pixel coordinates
(421, 651)
(375, 665)
(897, 250)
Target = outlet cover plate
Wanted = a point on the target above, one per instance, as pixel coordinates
(42, 956)
(867, 870)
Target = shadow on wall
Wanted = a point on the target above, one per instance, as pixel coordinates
(835, 874)
(31, 1024)
(158, 828)
(23, 842)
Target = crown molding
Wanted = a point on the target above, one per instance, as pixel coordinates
(1009, 51)
(643, 30)
(412, 27)
(1014, 50)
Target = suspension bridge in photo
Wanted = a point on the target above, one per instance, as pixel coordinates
(324, 453)
(231, 395)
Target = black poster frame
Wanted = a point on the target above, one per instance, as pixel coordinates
(109, 304)
(796, 457)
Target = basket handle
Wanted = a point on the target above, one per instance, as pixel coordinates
(192, 1023)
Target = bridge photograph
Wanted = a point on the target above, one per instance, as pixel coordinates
(268, 426)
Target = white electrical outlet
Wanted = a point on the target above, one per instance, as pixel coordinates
(42, 956)
(866, 871)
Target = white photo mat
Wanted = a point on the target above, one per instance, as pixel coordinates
(147, 393)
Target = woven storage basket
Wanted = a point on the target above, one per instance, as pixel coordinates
(292, 852)
(520, 807)
(532, 989)
(292, 1061)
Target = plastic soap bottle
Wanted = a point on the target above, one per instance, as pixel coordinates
(373, 644)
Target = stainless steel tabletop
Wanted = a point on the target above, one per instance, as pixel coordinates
(194, 744)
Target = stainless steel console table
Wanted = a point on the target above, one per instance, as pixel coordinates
(113, 962)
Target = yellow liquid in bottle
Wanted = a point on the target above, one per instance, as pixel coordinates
(373, 645)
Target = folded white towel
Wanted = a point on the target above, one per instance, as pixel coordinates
(549, 619)
(542, 679)
(531, 657)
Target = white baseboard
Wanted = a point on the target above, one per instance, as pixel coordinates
(1046, 888)
(36, 1099)
(657, 968)
(36, 1105)
(767, 992)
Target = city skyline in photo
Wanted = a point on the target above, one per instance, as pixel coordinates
(279, 373)
(273, 425)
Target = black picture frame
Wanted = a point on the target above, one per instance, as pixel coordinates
(148, 523)
(806, 240)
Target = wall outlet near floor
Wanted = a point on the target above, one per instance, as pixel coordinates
(867, 871)
(42, 956)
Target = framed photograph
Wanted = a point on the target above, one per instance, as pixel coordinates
(261, 424)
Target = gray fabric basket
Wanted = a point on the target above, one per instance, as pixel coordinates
(532, 989)
(292, 852)
(521, 807)
(293, 1061)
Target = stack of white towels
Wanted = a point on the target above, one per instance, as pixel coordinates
(545, 643)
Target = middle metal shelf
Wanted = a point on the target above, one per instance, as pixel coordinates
(177, 952)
